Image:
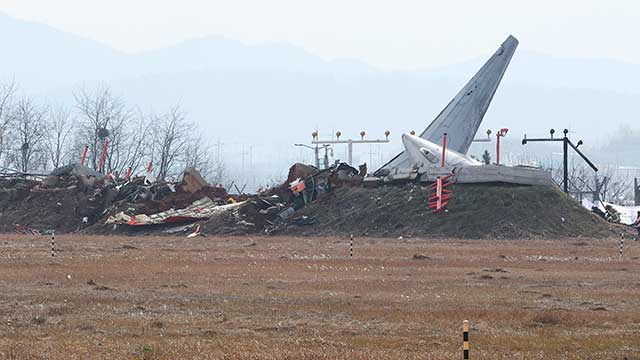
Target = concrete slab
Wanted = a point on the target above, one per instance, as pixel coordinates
(490, 173)
(521, 175)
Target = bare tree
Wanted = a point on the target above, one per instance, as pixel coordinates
(199, 154)
(608, 184)
(59, 128)
(138, 144)
(118, 150)
(171, 137)
(579, 177)
(103, 117)
(38, 138)
(616, 188)
(7, 93)
(28, 127)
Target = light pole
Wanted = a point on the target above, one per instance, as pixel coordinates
(316, 152)
(487, 139)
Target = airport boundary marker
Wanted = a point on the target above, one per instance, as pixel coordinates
(53, 244)
(621, 250)
(351, 246)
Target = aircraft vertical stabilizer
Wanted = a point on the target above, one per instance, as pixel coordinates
(462, 117)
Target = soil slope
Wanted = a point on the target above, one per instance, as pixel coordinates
(475, 211)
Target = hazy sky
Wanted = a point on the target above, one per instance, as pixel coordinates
(399, 34)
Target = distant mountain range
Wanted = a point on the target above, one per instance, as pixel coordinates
(267, 97)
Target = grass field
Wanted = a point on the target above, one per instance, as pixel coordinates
(303, 298)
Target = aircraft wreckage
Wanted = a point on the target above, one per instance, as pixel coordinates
(77, 198)
(441, 149)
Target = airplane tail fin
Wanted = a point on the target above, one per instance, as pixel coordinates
(462, 117)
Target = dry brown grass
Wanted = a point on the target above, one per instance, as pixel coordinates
(303, 298)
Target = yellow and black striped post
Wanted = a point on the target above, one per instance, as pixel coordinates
(465, 340)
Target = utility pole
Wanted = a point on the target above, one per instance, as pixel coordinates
(218, 151)
(371, 153)
(243, 154)
(565, 162)
(565, 147)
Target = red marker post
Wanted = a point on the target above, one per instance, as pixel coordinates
(104, 153)
(501, 133)
(84, 154)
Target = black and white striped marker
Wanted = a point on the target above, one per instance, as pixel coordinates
(465, 340)
(351, 246)
(621, 244)
(53, 244)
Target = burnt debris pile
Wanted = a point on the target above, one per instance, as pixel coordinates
(330, 202)
(69, 199)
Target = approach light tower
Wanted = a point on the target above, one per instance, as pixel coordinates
(349, 142)
(565, 153)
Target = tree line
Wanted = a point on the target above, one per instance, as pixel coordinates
(36, 137)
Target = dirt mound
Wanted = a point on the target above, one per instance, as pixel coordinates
(475, 211)
(62, 209)
(76, 198)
